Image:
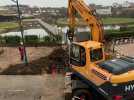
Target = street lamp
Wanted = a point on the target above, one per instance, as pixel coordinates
(21, 29)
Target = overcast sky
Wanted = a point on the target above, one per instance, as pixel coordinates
(58, 3)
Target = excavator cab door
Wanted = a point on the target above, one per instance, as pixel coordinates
(77, 55)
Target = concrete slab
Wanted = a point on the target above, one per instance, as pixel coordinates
(43, 87)
(21, 87)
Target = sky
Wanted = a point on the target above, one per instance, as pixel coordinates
(58, 3)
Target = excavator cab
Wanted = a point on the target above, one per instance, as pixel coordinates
(86, 52)
(96, 54)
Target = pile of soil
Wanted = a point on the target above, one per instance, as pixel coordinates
(1, 51)
(43, 65)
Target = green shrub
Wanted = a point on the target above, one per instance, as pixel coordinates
(30, 39)
(50, 39)
(12, 39)
(1, 40)
(118, 34)
(58, 38)
(114, 34)
(47, 39)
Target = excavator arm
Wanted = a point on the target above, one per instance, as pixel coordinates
(89, 17)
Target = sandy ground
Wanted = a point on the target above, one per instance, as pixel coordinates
(11, 55)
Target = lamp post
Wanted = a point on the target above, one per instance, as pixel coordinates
(21, 30)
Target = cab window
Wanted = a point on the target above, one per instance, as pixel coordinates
(96, 54)
(78, 55)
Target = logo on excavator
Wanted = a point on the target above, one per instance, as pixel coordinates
(129, 88)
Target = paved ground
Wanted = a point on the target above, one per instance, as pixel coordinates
(31, 87)
(54, 87)
(20, 87)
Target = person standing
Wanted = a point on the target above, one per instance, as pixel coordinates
(53, 70)
(21, 51)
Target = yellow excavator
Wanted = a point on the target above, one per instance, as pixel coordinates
(92, 76)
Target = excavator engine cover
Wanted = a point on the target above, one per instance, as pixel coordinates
(118, 66)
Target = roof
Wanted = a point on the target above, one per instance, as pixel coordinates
(89, 44)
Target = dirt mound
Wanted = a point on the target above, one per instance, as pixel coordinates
(1, 51)
(40, 66)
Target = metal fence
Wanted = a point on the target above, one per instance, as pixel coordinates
(124, 40)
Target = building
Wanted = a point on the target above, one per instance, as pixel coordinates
(128, 4)
(12, 9)
(125, 4)
(52, 11)
(4, 18)
(116, 5)
(104, 11)
(4, 10)
(131, 5)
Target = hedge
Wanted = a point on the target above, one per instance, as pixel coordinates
(31, 39)
(114, 35)
(12, 39)
(56, 38)
(47, 39)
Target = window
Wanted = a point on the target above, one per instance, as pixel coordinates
(75, 53)
(78, 55)
(96, 54)
(83, 56)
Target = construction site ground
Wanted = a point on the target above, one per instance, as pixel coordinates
(40, 60)
(28, 87)
(11, 55)
(40, 86)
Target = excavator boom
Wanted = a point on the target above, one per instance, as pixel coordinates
(89, 17)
